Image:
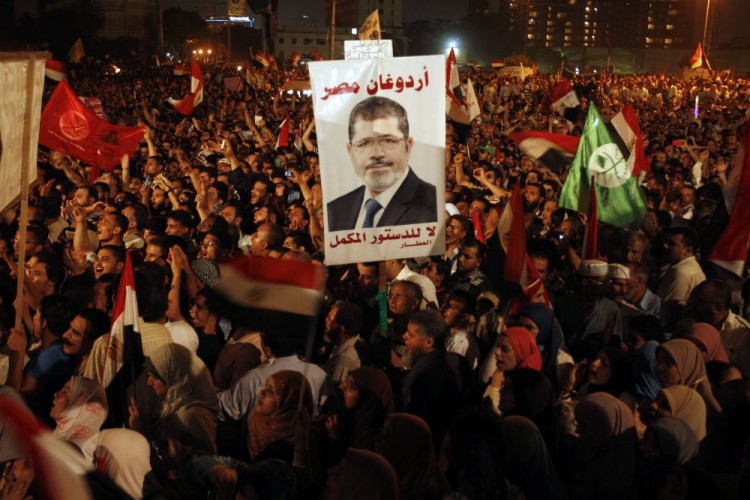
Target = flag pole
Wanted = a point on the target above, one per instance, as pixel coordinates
(333, 28)
(24, 217)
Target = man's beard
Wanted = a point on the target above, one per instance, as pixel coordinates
(383, 179)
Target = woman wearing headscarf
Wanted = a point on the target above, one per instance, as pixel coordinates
(529, 465)
(708, 340)
(406, 442)
(368, 398)
(518, 386)
(607, 444)
(679, 362)
(686, 404)
(189, 405)
(79, 410)
(667, 442)
(362, 475)
(270, 424)
(541, 322)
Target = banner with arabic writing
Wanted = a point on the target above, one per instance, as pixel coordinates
(381, 137)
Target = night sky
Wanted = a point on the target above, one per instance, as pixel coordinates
(734, 15)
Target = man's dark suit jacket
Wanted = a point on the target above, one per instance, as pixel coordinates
(415, 202)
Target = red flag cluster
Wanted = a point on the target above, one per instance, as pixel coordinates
(68, 126)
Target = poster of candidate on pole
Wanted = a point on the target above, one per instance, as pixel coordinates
(381, 138)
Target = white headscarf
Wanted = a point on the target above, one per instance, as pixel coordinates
(87, 409)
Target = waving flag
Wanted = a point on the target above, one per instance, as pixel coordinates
(454, 98)
(564, 100)
(55, 70)
(264, 283)
(180, 70)
(295, 59)
(620, 201)
(58, 467)
(185, 106)
(512, 233)
(76, 53)
(627, 134)
(68, 126)
(282, 140)
(699, 59)
(370, 29)
(730, 250)
(262, 59)
(554, 151)
(124, 324)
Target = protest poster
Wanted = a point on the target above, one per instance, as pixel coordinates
(381, 136)
(367, 49)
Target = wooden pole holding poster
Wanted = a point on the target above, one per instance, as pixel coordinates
(24, 218)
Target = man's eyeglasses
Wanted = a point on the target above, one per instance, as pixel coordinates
(386, 143)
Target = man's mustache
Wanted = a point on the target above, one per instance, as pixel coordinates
(377, 164)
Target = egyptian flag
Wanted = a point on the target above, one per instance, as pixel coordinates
(512, 233)
(554, 151)
(272, 60)
(186, 105)
(626, 133)
(454, 98)
(289, 286)
(124, 324)
(295, 59)
(699, 59)
(564, 100)
(58, 468)
(262, 59)
(55, 70)
(282, 140)
(317, 56)
(730, 218)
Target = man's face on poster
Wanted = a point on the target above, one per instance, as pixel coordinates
(380, 152)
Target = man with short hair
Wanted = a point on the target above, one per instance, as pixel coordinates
(431, 389)
(396, 269)
(456, 311)
(684, 272)
(110, 259)
(638, 293)
(267, 238)
(111, 229)
(48, 372)
(279, 349)
(342, 327)
(710, 303)
(457, 229)
(470, 258)
(137, 216)
(392, 194)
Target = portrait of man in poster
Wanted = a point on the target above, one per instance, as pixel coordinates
(379, 147)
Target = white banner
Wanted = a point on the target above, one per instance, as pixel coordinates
(13, 92)
(367, 49)
(381, 134)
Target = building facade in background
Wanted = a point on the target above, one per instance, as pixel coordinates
(599, 23)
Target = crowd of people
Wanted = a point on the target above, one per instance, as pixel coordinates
(622, 376)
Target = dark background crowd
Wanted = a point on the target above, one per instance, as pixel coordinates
(620, 376)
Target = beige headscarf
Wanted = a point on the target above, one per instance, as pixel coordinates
(687, 405)
(265, 429)
(689, 360)
(187, 378)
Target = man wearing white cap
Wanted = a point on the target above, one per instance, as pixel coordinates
(619, 281)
